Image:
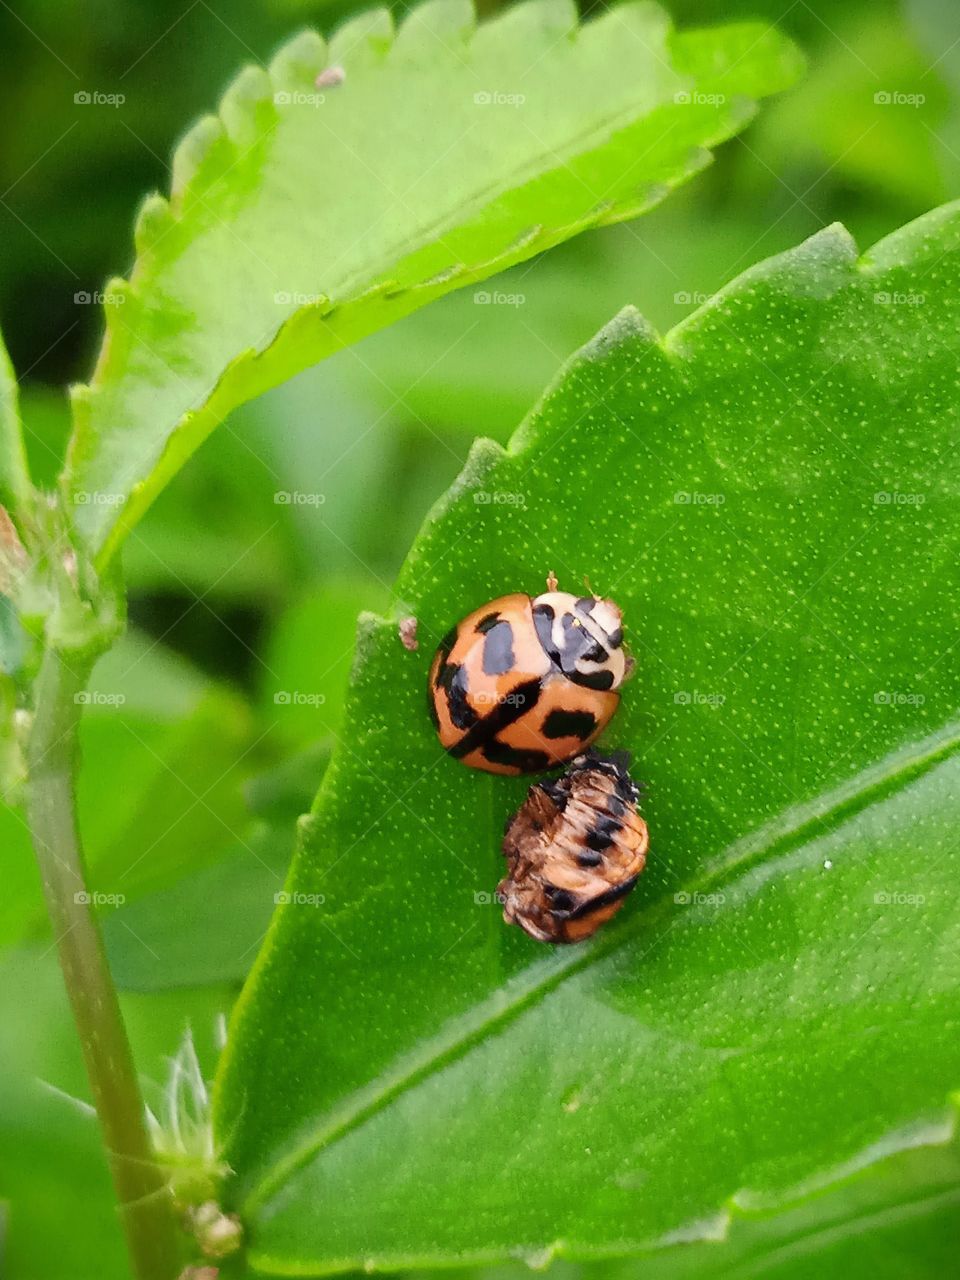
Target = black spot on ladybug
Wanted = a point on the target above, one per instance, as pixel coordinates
(592, 679)
(447, 643)
(432, 709)
(615, 638)
(569, 724)
(527, 760)
(585, 605)
(543, 617)
(580, 645)
(487, 623)
(498, 649)
(589, 858)
(481, 733)
(454, 680)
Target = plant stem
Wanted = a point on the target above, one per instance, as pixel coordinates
(52, 755)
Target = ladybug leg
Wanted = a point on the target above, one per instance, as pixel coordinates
(629, 668)
(552, 583)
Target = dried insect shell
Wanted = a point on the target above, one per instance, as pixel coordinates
(575, 849)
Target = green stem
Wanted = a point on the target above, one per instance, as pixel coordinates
(52, 755)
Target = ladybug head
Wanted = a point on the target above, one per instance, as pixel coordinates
(585, 637)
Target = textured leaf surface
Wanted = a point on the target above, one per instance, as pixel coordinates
(301, 219)
(895, 1220)
(771, 494)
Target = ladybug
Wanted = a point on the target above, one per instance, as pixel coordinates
(575, 849)
(522, 684)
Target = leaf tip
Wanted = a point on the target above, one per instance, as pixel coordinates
(627, 326)
(194, 152)
(365, 38)
(822, 263)
(450, 21)
(297, 63)
(246, 105)
(154, 219)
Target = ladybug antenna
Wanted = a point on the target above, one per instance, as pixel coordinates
(586, 583)
(552, 583)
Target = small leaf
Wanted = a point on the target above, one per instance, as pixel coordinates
(771, 493)
(302, 218)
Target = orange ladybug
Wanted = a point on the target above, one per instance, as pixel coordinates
(522, 684)
(575, 849)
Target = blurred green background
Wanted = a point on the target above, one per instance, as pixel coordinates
(194, 767)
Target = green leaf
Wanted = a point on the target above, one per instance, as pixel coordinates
(770, 492)
(14, 477)
(301, 219)
(895, 1219)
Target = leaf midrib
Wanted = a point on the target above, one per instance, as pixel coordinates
(773, 840)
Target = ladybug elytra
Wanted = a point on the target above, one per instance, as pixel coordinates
(523, 684)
